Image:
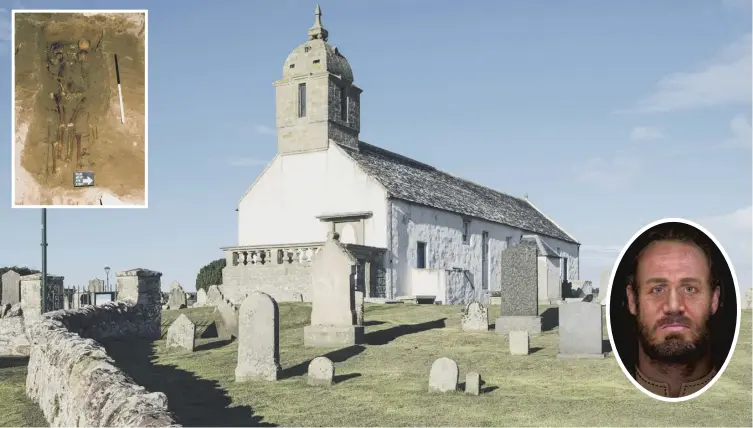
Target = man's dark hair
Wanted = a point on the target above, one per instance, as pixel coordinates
(674, 232)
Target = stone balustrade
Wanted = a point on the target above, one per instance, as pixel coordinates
(271, 255)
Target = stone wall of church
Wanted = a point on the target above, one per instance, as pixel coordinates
(443, 234)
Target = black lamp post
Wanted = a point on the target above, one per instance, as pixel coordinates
(107, 273)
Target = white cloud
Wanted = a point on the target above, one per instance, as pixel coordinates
(734, 231)
(241, 162)
(645, 133)
(724, 80)
(609, 175)
(264, 130)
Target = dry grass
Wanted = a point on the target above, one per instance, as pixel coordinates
(385, 383)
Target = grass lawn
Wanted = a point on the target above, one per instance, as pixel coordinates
(384, 383)
(16, 409)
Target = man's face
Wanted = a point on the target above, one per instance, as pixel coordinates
(672, 300)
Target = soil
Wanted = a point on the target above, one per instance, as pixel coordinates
(68, 110)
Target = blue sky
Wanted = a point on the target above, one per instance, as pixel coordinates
(609, 115)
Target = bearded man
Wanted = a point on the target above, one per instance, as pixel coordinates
(673, 297)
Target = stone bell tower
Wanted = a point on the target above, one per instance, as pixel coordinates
(317, 102)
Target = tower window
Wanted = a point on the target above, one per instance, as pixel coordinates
(291, 66)
(307, 49)
(301, 100)
(316, 61)
(343, 104)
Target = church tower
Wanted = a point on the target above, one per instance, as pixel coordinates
(317, 102)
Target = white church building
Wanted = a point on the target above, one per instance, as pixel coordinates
(417, 230)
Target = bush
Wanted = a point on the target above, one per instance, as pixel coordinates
(210, 274)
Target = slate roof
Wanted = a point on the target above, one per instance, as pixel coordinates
(413, 181)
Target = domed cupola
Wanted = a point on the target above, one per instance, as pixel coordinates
(317, 101)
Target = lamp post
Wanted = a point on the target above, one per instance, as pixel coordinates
(107, 274)
(44, 261)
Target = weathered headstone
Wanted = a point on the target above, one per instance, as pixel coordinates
(443, 376)
(472, 383)
(359, 307)
(519, 343)
(321, 372)
(748, 304)
(580, 330)
(201, 297)
(177, 299)
(181, 335)
(520, 303)
(11, 287)
(475, 318)
(258, 339)
(604, 281)
(333, 299)
(214, 295)
(96, 286)
(587, 289)
(228, 314)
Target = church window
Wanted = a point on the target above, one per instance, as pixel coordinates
(421, 255)
(301, 100)
(307, 49)
(316, 61)
(291, 66)
(466, 231)
(508, 242)
(343, 104)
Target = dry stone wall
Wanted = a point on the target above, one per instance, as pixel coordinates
(71, 376)
(13, 339)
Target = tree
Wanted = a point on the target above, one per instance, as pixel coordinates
(210, 274)
(21, 270)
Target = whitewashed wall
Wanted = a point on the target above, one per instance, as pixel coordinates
(569, 251)
(283, 204)
(443, 233)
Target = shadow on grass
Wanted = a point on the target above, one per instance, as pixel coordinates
(213, 345)
(383, 337)
(13, 361)
(482, 389)
(192, 400)
(337, 356)
(550, 319)
(370, 323)
(606, 347)
(342, 378)
(535, 349)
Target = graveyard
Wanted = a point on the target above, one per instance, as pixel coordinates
(384, 381)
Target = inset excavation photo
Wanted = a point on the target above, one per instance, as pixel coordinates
(80, 107)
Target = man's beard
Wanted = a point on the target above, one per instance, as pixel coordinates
(674, 349)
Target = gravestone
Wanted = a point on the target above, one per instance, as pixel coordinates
(748, 304)
(475, 318)
(96, 286)
(11, 287)
(520, 282)
(580, 330)
(359, 307)
(472, 383)
(228, 314)
(258, 338)
(201, 297)
(177, 299)
(443, 376)
(604, 281)
(214, 295)
(519, 343)
(181, 335)
(333, 299)
(321, 372)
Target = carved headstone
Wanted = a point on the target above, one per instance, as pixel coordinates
(201, 297)
(580, 330)
(321, 372)
(181, 335)
(519, 343)
(11, 293)
(475, 318)
(520, 302)
(258, 339)
(214, 295)
(748, 304)
(472, 383)
(177, 299)
(228, 314)
(96, 286)
(443, 376)
(333, 299)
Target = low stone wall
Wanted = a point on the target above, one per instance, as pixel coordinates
(285, 283)
(13, 339)
(73, 379)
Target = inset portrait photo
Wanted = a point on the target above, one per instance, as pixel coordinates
(673, 311)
